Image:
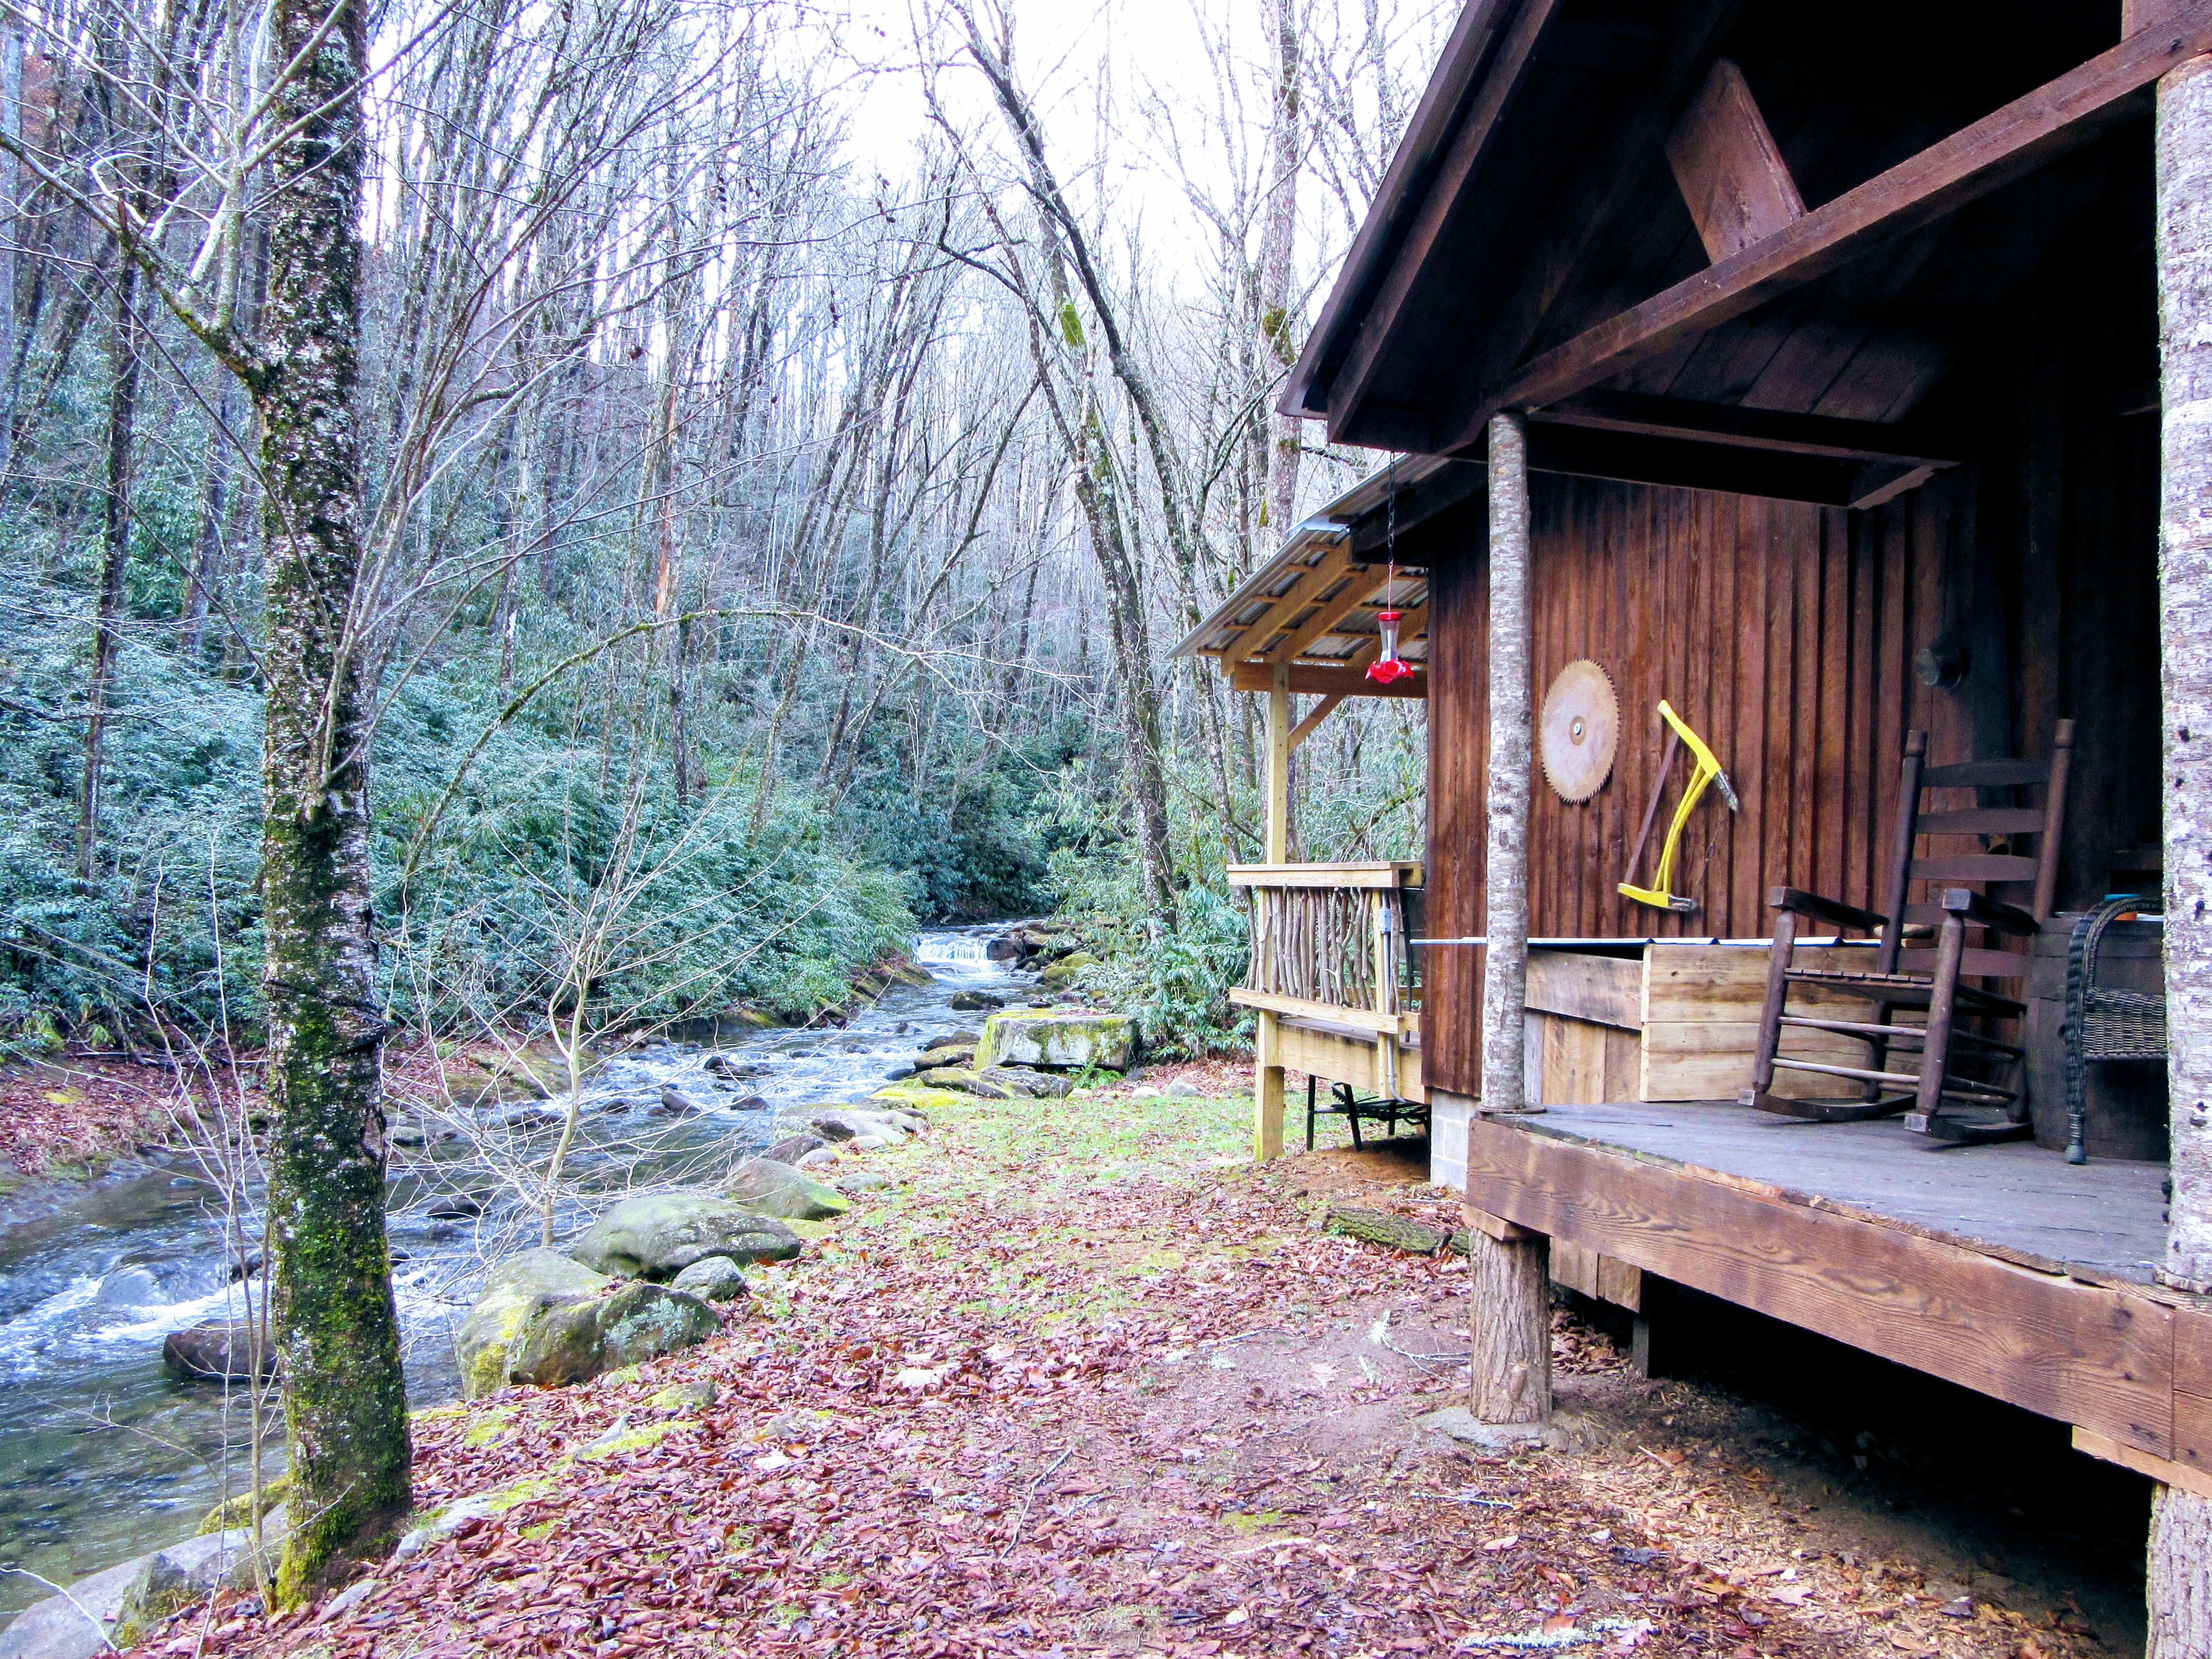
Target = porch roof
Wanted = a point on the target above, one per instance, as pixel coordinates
(1312, 606)
(1727, 245)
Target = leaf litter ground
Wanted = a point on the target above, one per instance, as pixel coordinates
(1081, 1380)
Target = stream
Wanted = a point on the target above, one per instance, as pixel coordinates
(102, 1456)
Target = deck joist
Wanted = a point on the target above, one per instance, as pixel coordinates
(2002, 1269)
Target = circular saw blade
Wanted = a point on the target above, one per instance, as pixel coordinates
(1578, 731)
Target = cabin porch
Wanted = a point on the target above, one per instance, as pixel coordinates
(2005, 1270)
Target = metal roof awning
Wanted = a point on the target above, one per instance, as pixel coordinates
(1312, 608)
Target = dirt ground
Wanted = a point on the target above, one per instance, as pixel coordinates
(1081, 1380)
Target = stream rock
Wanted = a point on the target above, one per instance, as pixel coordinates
(847, 1123)
(1070, 1040)
(793, 1147)
(1063, 972)
(952, 1040)
(521, 1290)
(711, 1278)
(769, 1187)
(579, 1340)
(114, 1607)
(216, 1350)
(547, 1319)
(656, 1236)
(674, 1102)
(970, 1002)
(951, 1054)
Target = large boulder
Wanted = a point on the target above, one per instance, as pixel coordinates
(219, 1350)
(633, 1323)
(547, 1320)
(657, 1235)
(1067, 1039)
(769, 1187)
(520, 1292)
(115, 1606)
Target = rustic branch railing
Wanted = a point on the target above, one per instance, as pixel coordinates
(1328, 944)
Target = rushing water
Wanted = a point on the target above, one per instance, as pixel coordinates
(101, 1456)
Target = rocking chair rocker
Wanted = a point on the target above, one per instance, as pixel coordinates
(1959, 1086)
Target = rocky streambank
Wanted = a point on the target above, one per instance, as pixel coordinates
(655, 1272)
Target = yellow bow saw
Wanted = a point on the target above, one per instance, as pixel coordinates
(1660, 896)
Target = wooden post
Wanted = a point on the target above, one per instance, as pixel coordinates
(1509, 1278)
(1266, 1048)
(2181, 1521)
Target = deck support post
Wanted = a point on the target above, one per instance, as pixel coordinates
(1267, 1045)
(2181, 1521)
(1509, 1279)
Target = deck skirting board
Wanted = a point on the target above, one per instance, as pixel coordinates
(2101, 1358)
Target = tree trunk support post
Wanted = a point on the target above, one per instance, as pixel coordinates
(1266, 1048)
(1509, 1277)
(2180, 1578)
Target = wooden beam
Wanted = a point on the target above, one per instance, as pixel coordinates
(1311, 682)
(1775, 430)
(1493, 96)
(1320, 712)
(2164, 1470)
(1459, 481)
(1312, 580)
(2064, 114)
(1366, 578)
(2084, 1354)
(1730, 171)
(1366, 1018)
(1734, 469)
(1394, 873)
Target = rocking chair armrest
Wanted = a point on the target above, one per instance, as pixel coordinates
(1974, 907)
(1824, 909)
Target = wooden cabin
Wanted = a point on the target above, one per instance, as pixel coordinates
(1827, 341)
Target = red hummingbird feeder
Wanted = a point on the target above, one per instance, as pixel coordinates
(1389, 666)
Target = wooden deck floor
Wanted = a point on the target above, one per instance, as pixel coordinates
(2002, 1269)
(2103, 1221)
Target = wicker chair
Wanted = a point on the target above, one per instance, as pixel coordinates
(2102, 1022)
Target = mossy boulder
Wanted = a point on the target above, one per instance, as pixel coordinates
(1065, 972)
(920, 1096)
(967, 1081)
(767, 1187)
(520, 1292)
(635, 1322)
(657, 1235)
(1065, 1039)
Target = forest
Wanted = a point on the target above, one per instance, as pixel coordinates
(783, 452)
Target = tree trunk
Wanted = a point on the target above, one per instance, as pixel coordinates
(345, 1405)
(1278, 237)
(114, 556)
(2181, 1522)
(1505, 962)
(1509, 1281)
(1511, 1284)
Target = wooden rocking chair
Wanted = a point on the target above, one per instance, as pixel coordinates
(1919, 1068)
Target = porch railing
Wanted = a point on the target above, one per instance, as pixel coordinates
(1329, 946)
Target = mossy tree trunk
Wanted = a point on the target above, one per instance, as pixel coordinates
(345, 1405)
